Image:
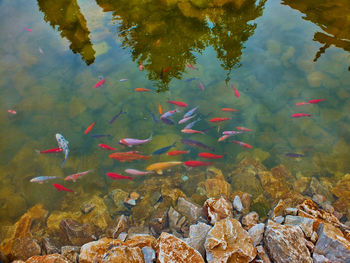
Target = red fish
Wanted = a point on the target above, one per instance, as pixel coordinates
(105, 146)
(28, 29)
(62, 188)
(141, 89)
(210, 156)
(88, 129)
(12, 111)
(100, 83)
(160, 109)
(118, 176)
(228, 109)
(174, 153)
(245, 145)
(315, 101)
(54, 150)
(158, 41)
(178, 103)
(196, 163)
(141, 67)
(166, 69)
(236, 92)
(243, 129)
(219, 119)
(192, 67)
(298, 115)
(301, 103)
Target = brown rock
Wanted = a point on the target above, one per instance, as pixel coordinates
(178, 224)
(341, 190)
(262, 254)
(123, 254)
(217, 209)
(286, 243)
(306, 224)
(73, 233)
(170, 249)
(71, 253)
(159, 221)
(250, 220)
(278, 210)
(141, 241)
(227, 241)
(53, 258)
(135, 196)
(217, 186)
(24, 248)
(94, 251)
(49, 246)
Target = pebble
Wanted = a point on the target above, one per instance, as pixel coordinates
(237, 204)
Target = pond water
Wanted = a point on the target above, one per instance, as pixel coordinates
(275, 54)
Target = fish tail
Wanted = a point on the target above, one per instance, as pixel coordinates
(150, 137)
(37, 151)
(173, 144)
(63, 163)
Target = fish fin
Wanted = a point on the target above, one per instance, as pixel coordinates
(159, 171)
(150, 137)
(37, 151)
(63, 163)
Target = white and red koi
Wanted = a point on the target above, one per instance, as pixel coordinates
(74, 177)
(131, 142)
(245, 145)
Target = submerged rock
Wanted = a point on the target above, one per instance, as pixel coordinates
(49, 246)
(191, 211)
(73, 233)
(170, 249)
(331, 245)
(120, 224)
(227, 241)
(178, 224)
(286, 243)
(217, 186)
(217, 209)
(71, 253)
(24, 248)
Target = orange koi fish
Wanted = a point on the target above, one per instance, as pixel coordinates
(127, 156)
(88, 129)
(142, 89)
(236, 92)
(243, 129)
(302, 103)
(315, 101)
(219, 119)
(298, 115)
(160, 109)
(174, 153)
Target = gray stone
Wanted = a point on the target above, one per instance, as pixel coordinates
(291, 211)
(286, 243)
(178, 224)
(76, 234)
(149, 254)
(305, 224)
(257, 233)
(237, 204)
(279, 219)
(331, 244)
(320, 259)
(122, 236)
(71, 253)
(197, 236)
(190, 210)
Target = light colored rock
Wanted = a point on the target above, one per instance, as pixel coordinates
(227, 241)
(52, 258)
(71, 253)
(332, 244)
(257, 233)
(286, 243)
(315, 78)
(94, 251)
(170, 249)
(123, 254)
(291, 211)
(237, 204)
(304, 223)
(149, 255)
(279, 219)
(177, 223)
(249, 220)
(317, 258)
(197, 236)
(190, 210)
(278, 210)
(217, 209)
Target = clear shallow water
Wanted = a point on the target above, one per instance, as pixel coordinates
(276, 54)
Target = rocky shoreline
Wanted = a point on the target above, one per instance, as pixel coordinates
(227, 227)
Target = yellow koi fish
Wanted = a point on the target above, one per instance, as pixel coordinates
(159, 167)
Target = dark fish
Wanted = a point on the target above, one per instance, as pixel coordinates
(153, 116)
(294, 155)
(100, 135)
(116, 116)
(163, 150)
(167, 121)
(193, 143)
(190, 79)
